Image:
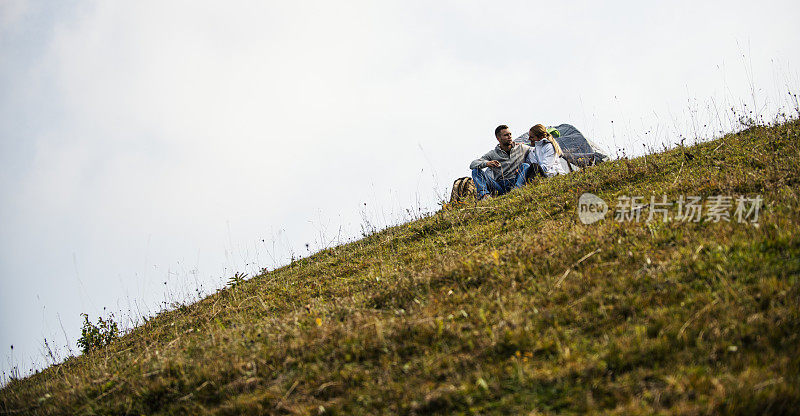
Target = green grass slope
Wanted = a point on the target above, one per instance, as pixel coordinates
(506, 307)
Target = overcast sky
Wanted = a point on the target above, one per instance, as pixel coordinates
(151, 149)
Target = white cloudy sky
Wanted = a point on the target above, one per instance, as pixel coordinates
(145, 142)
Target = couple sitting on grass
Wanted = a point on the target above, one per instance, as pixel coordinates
(512, 163)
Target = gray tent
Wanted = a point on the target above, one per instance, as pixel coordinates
(578, 150)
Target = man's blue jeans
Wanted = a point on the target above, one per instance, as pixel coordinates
(485, 184)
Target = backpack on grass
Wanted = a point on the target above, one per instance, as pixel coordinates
(463, 189)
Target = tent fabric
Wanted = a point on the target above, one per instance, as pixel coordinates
(577, 149)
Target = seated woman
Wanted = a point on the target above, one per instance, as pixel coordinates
(546, 151)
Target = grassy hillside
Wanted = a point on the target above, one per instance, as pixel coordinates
(506, 307)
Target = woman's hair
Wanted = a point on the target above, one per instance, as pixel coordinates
(539, 132)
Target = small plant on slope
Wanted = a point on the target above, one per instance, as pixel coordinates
(97, 336)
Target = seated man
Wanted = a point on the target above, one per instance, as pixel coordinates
(506, 163)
